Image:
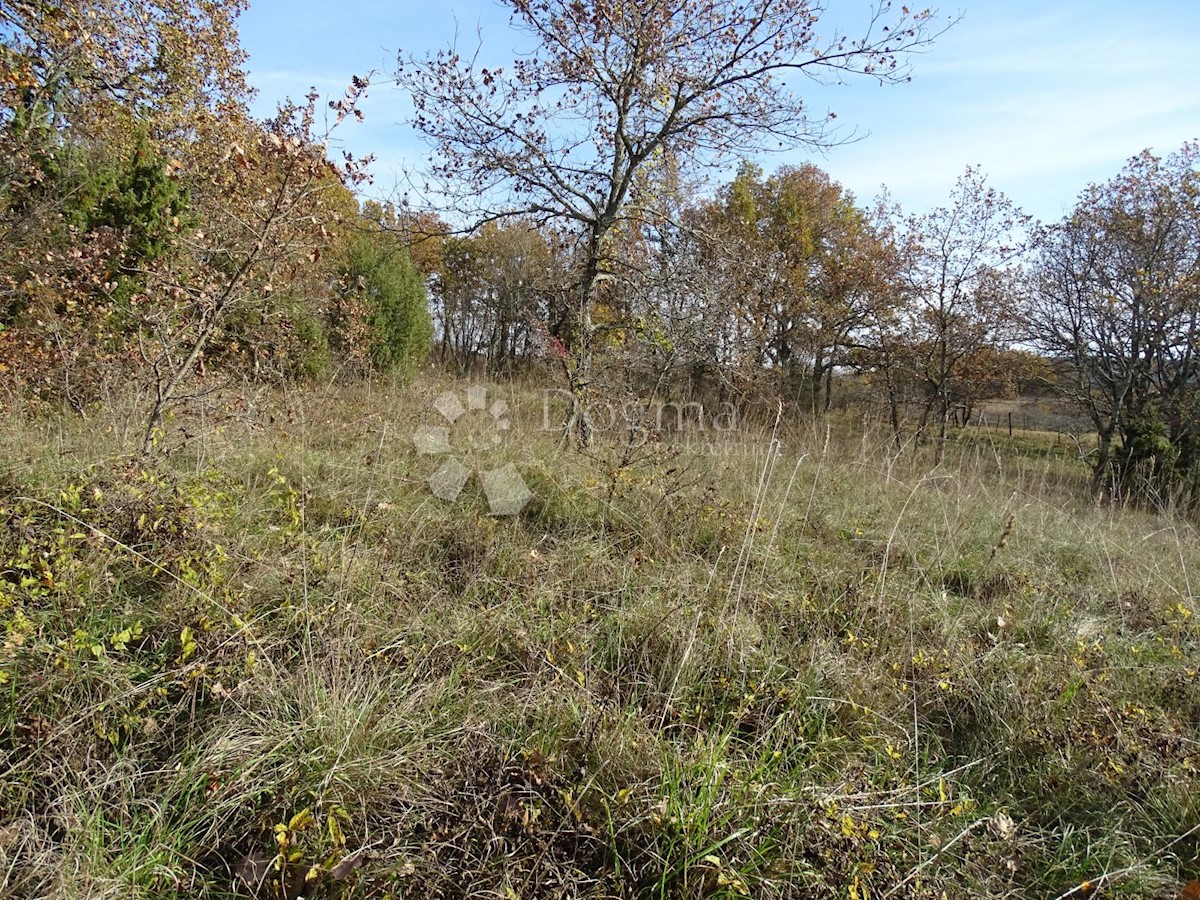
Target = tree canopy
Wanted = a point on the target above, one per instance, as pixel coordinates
(1117, 303)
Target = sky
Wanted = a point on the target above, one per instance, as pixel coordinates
(1047, 97)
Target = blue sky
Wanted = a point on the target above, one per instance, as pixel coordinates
(1046, 97)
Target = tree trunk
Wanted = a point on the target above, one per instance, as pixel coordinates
(894, 412)
(579, 374)
(1100, 471)
(940, 450)
(818, 377)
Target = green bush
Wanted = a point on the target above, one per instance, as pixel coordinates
(380, 273)
(146, 203)
(312, 360)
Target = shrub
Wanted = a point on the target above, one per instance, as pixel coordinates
(379, 272)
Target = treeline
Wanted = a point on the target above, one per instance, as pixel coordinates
(764, 290)
(151, 228)
(775, 283)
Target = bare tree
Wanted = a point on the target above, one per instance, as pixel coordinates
(613, 87)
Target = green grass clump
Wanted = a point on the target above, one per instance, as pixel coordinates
(270, 663)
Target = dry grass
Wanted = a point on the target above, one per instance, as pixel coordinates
(272, 664)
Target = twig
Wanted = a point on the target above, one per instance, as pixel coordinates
(936, 856)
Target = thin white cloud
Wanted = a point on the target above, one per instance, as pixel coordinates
(1044, 105)
(1046, 95)
(291, 78)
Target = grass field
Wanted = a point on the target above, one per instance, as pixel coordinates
(765, 662)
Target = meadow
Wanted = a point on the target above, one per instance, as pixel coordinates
(787, 660)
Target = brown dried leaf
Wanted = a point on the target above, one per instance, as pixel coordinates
(346, 867)
(253, 869)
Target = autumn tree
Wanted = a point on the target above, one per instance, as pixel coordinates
(422, 233)
(1116, 304)
(103, 105)
(963, 281)
(267, 212)
(801, 259)
(147, 219)
(883, 344)
(607, 88)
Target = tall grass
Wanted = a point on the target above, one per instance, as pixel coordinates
(789, 660)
